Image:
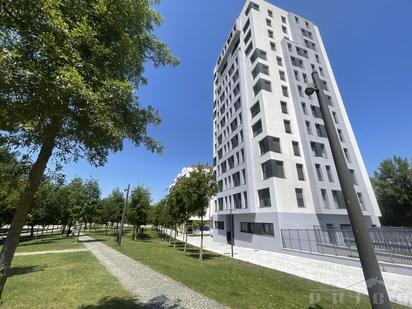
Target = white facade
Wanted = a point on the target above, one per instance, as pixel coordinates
(272, 157)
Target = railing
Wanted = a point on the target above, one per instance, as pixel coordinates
(392, 244)
(36, 231)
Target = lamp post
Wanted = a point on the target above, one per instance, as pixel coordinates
(123, 216)
(232, 232)
(378, 295)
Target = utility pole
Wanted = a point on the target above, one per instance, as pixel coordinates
(123, 216)
(378, 295)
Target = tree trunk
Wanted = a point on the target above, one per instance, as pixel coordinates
(134, 232)
(24, 205)
(201, 239)
(42, 231)
(78, 233)
(69, 229)
(174, 245)
(170, 237)
(31, 230)
(63, 228)
(105, 230)
(185, 237)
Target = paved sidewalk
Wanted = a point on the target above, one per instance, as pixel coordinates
(149, 287)
(347, 277)
(49, 252)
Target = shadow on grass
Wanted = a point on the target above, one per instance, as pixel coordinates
(16, 271)
(206, 255)
(316, 306)
(160, 302)
(114, 303)
(143, 236)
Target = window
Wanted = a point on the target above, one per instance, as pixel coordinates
(329, 172)
(273, 168)
(297, 19)
(255, 109)
(296, 75)
(296, 150)
(257, 128)
(262, 84)
(279, 61)
(288, 128)
(234, 141)
(237, 200)
(296, 62)
(325, 198)
(269, 143)
(270, 33)
(249, 49)
(231, 162)
(305, 78)
(316, 112)
(247, 37)
(223, 167)
(258, 53)
(319, 172)
(320, 130)
(246, 26)
(236, 179)
(283, 19)
(335, 117)
(355, 181)
(299, 198)
(233, 125)
(220, 225)
(318, 149)
(284, 30)
(285, 91)
(257, 228)
(245, 198)
(268, 22)
(308, 127)
(361, 200)
(338, 199)
(237, 104)
(270, 13)
(310, 45)
(243, 176)
(302, 52)
(260, 68)
(346, 152)
(307, 33)
(304, 108)
(282, 75)
(284, 107)
(341, 135)
(299, 169)
(300, 90)
(317, 58)
(273, 46)
(264, 198)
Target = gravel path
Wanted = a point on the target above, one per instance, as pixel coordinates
(151, 288)
(50, 252)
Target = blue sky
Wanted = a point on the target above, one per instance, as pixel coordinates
(369, 45)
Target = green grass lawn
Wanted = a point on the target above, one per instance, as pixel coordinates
(46, 243)
(230, 282)
(64, 280)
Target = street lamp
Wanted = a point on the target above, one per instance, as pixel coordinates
(119, 241)
(378, 295)
(232, 232)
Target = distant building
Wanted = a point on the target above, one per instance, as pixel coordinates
(272, 158)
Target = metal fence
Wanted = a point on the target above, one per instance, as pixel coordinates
(393, 245)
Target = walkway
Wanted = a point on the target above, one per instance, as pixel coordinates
(148, 286)
(49, 252)
(347, 277)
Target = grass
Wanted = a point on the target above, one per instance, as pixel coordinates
(67, 280)
(233, 283)
(46, 243)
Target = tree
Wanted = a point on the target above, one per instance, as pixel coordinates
(392, 183)
(69, 70)
(12, 173)
(138, 208)
(200, 188)
(112, 207)
(179, 201)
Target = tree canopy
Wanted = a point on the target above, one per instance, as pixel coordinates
(392, 183)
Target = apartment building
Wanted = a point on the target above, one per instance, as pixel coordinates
(272, 158)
